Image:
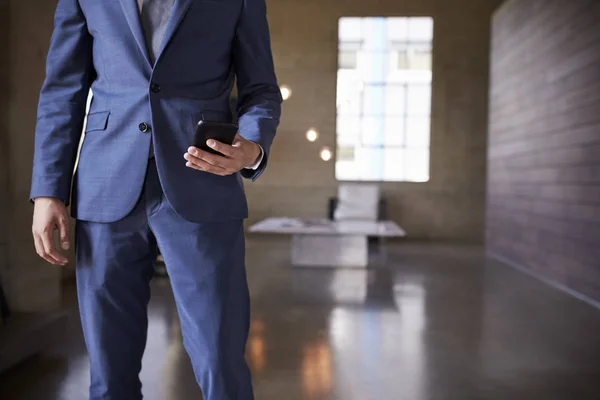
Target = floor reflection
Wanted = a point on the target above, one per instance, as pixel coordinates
(360, 288)
(412, 313)
(435, 323)
(317, 376)
(256, 347)
(382, 348)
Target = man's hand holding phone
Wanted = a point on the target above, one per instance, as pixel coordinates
(240, 154)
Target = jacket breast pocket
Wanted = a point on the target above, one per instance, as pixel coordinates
(97, 121)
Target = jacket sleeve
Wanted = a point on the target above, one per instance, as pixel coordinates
(62, 103)
(259, 97)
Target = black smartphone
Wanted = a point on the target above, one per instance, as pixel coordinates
(220, 131)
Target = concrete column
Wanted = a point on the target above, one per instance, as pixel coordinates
(4, 173)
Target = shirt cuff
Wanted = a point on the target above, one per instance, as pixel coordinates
(258, 161)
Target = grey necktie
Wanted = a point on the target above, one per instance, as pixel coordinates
(155, 15)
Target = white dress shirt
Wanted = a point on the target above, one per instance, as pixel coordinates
(258, 160)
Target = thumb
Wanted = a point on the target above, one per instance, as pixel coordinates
(63, 231)
(238, 141)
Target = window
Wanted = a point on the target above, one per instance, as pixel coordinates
(348, 59)
(384, 99)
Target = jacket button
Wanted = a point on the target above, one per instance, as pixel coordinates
(155, 87)
(144, 127)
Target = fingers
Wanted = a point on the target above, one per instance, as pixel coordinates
(51, 250)
(222, 161)
(213, 163)
(44, 244)
(202, 158)
(239, 141)
(63, 230)
(201, 165)
(39, 249)
(48, 215)
(222, 148)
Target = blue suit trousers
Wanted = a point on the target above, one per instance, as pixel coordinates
(205, 262)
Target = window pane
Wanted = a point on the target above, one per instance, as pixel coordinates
(420, 29)
(416, 165)
(398, 29)
(348, 95)
(348, 130)
(394, 131)
(349, 106)
(375, 34)
(373, 67)
(372, 131)
(420, 60)
(417, 132)
(346, 153)
(395, 100)
(370, 162)
(374, 99)
(350, 29)
(348, 59)
(403, 61)
(346, 170)
(394, 164)
(419, 100)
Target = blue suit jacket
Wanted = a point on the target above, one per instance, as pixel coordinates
(100, 44)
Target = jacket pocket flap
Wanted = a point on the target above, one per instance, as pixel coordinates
(97, 121)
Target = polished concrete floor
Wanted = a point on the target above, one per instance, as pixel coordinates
(433, 323)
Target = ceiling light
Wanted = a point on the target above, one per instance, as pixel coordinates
(312, 135)
(326, 154)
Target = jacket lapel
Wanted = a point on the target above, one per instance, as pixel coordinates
(132, 13)
(180, 8)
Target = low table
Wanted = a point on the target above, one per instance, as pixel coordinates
(318, 243)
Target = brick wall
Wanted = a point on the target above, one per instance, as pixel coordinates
(544, 155)
(297, 182)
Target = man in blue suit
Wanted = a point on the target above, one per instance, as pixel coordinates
(155, 67)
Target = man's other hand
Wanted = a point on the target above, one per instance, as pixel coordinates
(241, 154)
(49, 215)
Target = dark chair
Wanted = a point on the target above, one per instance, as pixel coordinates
(4, 311)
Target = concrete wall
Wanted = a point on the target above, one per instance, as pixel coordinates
(298, 183)
(30, 282)
(4, 98)
(544, 156)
